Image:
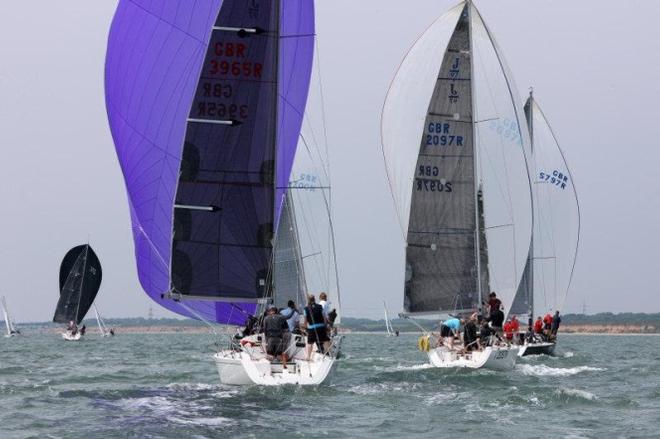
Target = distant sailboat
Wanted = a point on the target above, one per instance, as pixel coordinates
(104, 331)
(456, 150)
(9, 323)
(549, 270)
(388, 324)
(229, 213)
(80, 280)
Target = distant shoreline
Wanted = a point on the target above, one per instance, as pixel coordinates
(169, 330)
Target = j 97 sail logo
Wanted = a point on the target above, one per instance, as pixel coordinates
(555, 178)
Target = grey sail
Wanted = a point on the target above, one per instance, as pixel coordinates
(441, 262)
(522, 303)
(288, 272)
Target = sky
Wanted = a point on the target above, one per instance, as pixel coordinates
(593, 64)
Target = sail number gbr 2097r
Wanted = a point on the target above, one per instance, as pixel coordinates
(426, 182)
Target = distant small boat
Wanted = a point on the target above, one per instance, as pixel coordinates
(9, 323)
(104, 331)
(80, 280)
(388, 325)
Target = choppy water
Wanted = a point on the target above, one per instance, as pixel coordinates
(166, 386)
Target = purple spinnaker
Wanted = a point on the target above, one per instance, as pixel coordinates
(155, 55)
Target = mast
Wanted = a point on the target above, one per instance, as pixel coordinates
(475, 149)
(82, 281)
(530, 127)
(270, 289)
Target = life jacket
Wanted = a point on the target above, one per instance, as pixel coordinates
(508, 330)
(314, 316)
(538, 326)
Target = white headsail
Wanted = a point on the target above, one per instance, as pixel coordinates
(557, 216)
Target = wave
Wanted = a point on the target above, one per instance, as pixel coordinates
(414, 367)
(576, 393)
(542, 370)
(382, 388)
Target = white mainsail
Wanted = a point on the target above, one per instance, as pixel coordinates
(468, 227)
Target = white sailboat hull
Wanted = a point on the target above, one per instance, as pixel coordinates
(231, 368)
(492, 357)
(250, 365)
(67, 336)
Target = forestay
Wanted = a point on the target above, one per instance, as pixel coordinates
(310, 193)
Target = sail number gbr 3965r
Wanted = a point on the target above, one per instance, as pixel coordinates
(425, 181)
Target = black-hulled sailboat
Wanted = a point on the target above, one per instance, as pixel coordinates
(456, 148)
(80, 280)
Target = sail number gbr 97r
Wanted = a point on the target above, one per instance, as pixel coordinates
(427, 180)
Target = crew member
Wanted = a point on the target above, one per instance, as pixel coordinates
(508, 331)
(556, 321)
(292, 316)
(494, 304)
(470, 339)
(316, 324)
(485, 334)
(515, 328)
(547, 324)
(497, 320)
(538, 326)
(275, 327)
(449, 329)
(323, 301)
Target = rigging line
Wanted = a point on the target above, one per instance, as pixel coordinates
(315, 262)
(322, 96)
(505, 194)
(315, 166)
(202, 319)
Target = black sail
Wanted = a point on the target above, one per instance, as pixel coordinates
(441, 261)
(224, 208)
(80, 280)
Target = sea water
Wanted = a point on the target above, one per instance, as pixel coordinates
(166, 386)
